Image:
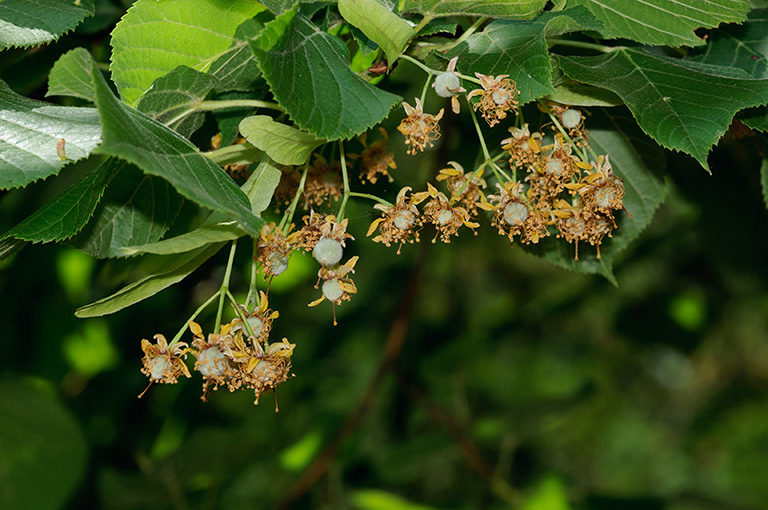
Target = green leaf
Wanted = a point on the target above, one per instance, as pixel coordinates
(639, 162)
(194, 34)
(175, 269)
(663, 22)
(173, 99)
(217, 228)
(158, 150)
(683, 105)
(284, 144)
(309, 75)
(519, 49)
(68, 76)
(136, 209)
(237, 69)
(28, 22)
(741, 46)
(518, 9)
(41, 444)
(67, 214)
(30, 132)
(379, 24)
(576, 94)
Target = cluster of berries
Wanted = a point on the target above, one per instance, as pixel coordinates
(239, 356)
(561, 193)
(560, 189)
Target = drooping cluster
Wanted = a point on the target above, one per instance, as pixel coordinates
(558, 192)
(239, 356)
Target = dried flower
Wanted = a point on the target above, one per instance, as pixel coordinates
(513, 214)
(274, 248)
(463, 189)
(215, 359)
(323, 183)
(337, 284)
(266, 366)
(523, 147)
(446, 218)
(420, 129)
(400, 222)
(499, 95)
(163, 363)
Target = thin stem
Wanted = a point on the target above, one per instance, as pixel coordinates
(479, 133)
(225, 285)
(581, 44)
(426, 87)
(345, 180)
(252, 300)
(193, 316)
(370, 197)
(209, 106)
(426, 69)
(240, 313)
(288, 216)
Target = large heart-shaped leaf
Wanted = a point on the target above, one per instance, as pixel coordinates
(174, 99)
(28, 22)
(31, 133)
(309, 75)
(237, 68)
(259, 188)
(158, 150)
(153, 38)
(136, 208)
(176, 268)
(742, 46)
(663, 22)
(67, 77)
(519, 49)
(67, 214)
(683, 105)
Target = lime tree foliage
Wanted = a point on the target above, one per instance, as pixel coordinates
(296, 130)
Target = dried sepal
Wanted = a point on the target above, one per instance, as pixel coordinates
(163, 363)
(400, 223)
(420, 129)
(497, 97)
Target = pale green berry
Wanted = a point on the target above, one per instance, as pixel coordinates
(447, 84)
(404, 220)
(256, 325)
(211, 362)
(515, 213)
(332, 290)
(158, 366)
(278, 263)
(571, 119)
(555, 166)
(328, 251)
(444, 217)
